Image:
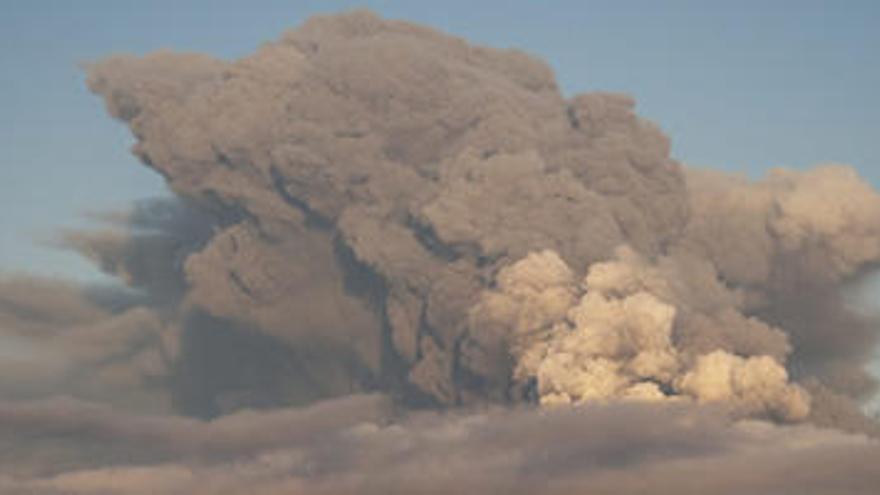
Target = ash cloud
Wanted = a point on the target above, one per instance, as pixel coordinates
(428, 175)
(357, 445)
(371, 206)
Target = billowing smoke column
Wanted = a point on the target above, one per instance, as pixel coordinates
(379, 174)
(372, 206)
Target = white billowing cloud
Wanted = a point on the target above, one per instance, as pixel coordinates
(753, 385)
(614, 340)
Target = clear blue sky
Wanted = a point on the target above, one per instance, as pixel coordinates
(741, 85)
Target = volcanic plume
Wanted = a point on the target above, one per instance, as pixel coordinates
(369, 206)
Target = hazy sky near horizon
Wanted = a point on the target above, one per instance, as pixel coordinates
(743, 86)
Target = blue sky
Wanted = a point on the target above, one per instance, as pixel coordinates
(738, 85)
